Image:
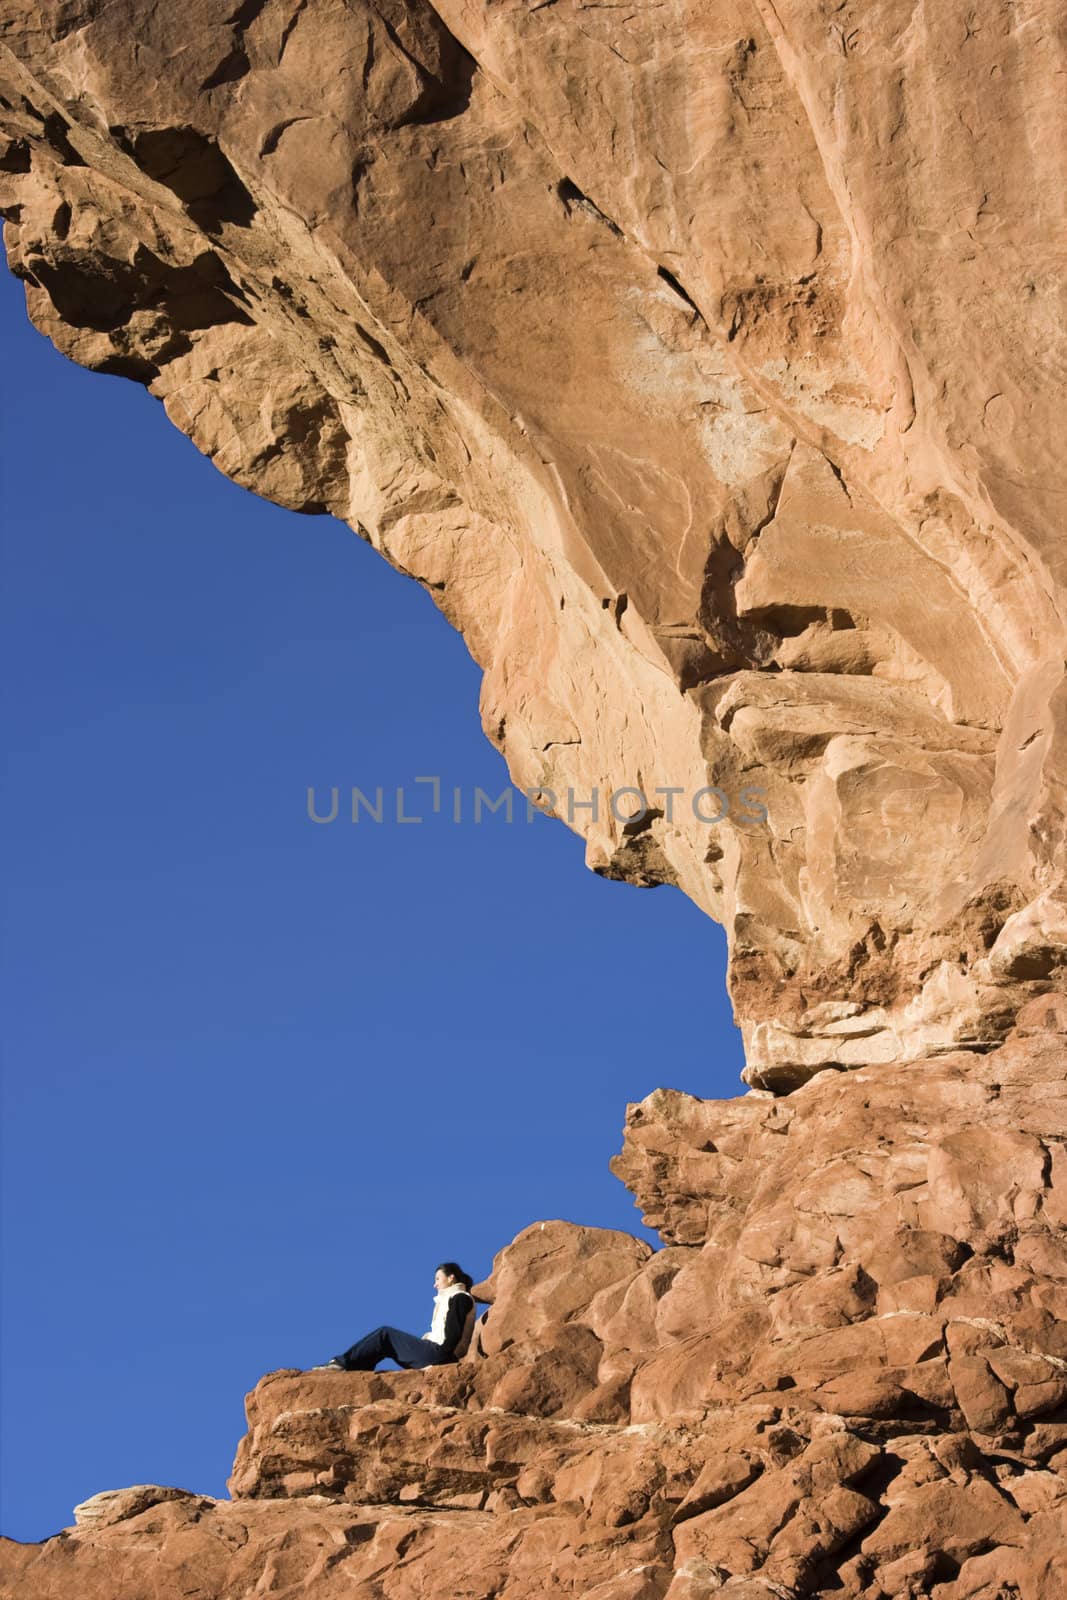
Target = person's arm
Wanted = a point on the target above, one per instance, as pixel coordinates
(459, 1307)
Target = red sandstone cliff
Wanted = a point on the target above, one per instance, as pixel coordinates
(845, 1374)
(707, 366)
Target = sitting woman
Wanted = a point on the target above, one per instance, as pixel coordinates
(448, 1339)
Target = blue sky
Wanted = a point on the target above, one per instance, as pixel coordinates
(261, 1076)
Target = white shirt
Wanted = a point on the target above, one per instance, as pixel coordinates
(440, 1313)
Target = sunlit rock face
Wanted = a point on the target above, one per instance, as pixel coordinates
(705, 364)
(707, 369)
(845, 1375)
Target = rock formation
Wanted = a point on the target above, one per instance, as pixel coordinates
(845, 1374)
(706, 366)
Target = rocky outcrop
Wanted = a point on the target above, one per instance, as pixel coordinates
(705, 366)
(845, 1374)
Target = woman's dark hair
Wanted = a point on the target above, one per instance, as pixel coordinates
(452, 1269)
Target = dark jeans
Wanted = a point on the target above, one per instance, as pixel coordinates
(403, 1348)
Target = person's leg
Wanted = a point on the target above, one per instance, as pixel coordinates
(394, 1344)
(364, 1355)
(409, 1351)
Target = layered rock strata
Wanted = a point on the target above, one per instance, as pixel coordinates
(845, 1374)
(706, 366)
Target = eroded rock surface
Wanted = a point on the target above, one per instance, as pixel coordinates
(844, 1374)
(705, 364)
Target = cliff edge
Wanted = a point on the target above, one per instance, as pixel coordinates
(706, 366)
